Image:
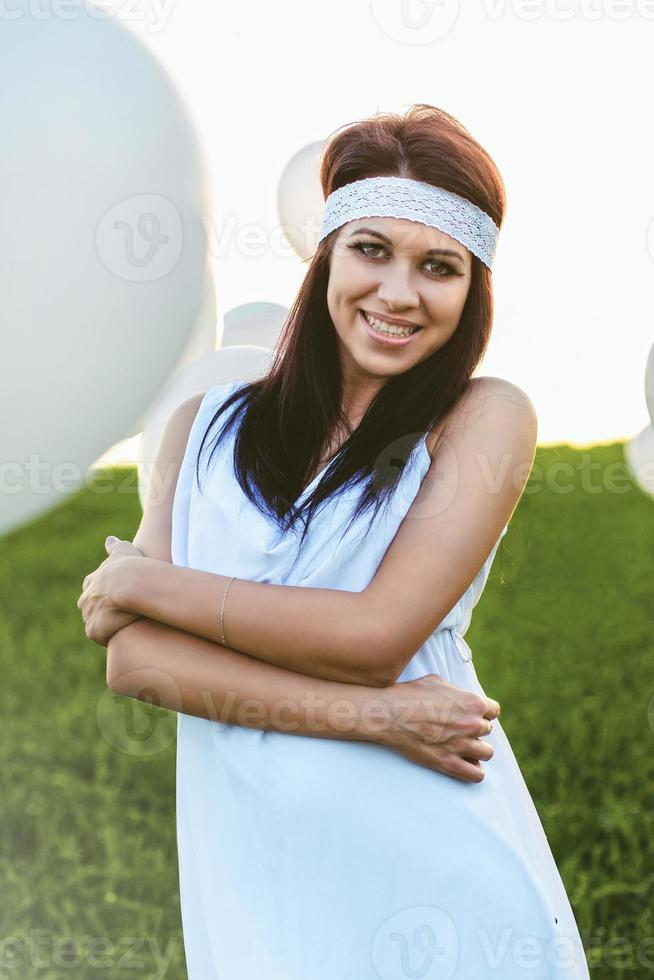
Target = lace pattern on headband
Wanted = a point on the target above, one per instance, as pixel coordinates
(403, 197)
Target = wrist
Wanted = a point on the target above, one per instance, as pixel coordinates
(131, 584)
(373, 714)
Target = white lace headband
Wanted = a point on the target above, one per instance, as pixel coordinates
(403, 197)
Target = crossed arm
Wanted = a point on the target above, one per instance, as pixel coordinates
(467, 496)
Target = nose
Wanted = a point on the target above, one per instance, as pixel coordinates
(396, 290)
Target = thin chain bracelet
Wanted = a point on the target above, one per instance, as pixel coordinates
(222, 610)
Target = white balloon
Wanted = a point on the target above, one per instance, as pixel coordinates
(639, 454)
(649, 384)
(103, 192)
(202, 341)
(219, 367)
(300, 203)
(203, 338)
(254, 323)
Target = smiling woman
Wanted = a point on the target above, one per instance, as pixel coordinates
(432, 301)
(295, 833)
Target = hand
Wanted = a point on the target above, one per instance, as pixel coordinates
(99, 602)
(439, 725)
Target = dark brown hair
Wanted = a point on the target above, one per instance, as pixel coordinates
(288, 416)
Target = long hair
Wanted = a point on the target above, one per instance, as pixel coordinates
(287, 416)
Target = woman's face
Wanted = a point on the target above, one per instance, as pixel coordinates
(394, 269)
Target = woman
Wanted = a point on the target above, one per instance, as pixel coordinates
(303, 606)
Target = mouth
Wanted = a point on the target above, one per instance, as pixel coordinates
(387, 334)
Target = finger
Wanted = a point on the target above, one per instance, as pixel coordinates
(474, 749)
(124, 547)
(471, 772)
(493, 710)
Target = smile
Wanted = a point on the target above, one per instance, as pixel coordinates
(387, 334)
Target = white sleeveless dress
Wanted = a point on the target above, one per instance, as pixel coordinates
(304, 858)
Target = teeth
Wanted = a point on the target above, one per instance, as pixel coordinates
(389, 328)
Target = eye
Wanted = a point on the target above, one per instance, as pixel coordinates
(364, 247)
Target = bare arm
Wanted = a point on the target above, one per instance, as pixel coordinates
(198, 677)
(429, 721)
(467, 496)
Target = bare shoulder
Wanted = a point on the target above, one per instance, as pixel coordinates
(187, 409)
(175, 436)
(491, 401)
(489, 386)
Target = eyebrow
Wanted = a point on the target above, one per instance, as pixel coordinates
(431, 251)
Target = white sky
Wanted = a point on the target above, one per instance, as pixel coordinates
(557, 92)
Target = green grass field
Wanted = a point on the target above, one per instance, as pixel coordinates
(562, 637)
